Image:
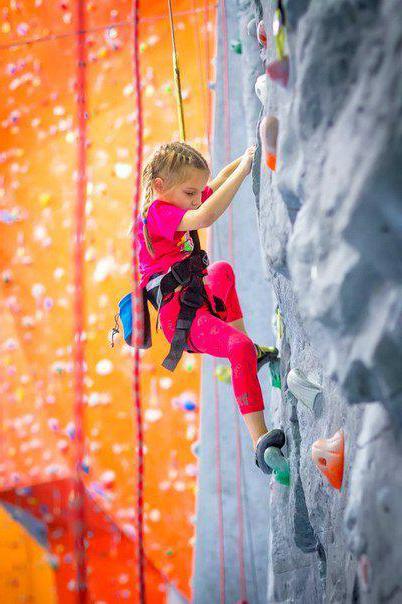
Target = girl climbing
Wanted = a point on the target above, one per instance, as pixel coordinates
(198, 307)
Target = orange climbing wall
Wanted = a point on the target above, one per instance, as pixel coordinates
(37, 196)
(25, 574)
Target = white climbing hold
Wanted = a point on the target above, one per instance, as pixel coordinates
(302, 388)
(152, 415)
(261, 88)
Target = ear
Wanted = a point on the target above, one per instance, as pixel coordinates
(158, 184)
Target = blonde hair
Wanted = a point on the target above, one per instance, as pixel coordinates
(169, 161)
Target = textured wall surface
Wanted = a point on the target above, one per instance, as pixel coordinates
(330, 229)
(330, 223)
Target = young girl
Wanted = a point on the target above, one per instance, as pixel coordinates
(178, 198)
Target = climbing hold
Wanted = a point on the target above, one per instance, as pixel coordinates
(269, 135)
(224, 373)
(252, 27)
(189, 405)
(278, 71)
(328, 456)
(195, 448)
(261, 89)
(279, 33)
(275, 370)
(261, 33)
(236, 46)
(302, 388)
(108, 478)
(364, 567)
(279, 323)
(85, 465)
(188, 363)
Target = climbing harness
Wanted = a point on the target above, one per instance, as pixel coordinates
(187, 273)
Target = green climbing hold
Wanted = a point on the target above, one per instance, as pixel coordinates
(275, 369)
(274, 458)
(236, 46)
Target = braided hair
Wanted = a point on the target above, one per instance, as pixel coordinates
(169, 161)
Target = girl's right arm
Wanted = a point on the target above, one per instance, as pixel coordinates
(216, 204)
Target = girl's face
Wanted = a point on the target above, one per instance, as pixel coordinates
(187, 194)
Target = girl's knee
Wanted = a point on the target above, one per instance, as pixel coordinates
(222, 268)
(241, 348)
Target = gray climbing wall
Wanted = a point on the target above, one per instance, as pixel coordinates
(329, 233)
(255, 295)
(331, 226)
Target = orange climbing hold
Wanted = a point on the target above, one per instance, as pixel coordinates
(328, 456)
(270, 160)
(262, 34)
(269, 136)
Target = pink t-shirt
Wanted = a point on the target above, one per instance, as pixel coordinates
(169, 245)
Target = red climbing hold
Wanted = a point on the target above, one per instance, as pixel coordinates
(269, 135)
(278, 71)
(262, 34)
(328, 456)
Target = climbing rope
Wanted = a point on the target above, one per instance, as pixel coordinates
(79, 524)
(219, 491)
(137, 314)
(207, 63)
(176, 74)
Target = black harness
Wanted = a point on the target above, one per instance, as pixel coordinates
(160, 290)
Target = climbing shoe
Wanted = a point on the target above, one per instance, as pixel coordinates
(265, 354)
(269, 457)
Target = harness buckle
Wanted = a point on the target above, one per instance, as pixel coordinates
(178, 277)
(204, 258)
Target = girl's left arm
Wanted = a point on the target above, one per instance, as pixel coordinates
(220, 178)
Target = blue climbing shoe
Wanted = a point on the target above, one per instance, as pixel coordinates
(269, 457)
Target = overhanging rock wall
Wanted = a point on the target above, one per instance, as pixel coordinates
(330, 221)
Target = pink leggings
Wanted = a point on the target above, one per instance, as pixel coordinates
(214, 336)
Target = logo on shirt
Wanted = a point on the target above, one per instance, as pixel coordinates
(186, 243)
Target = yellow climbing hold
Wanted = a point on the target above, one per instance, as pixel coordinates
(224, 373)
